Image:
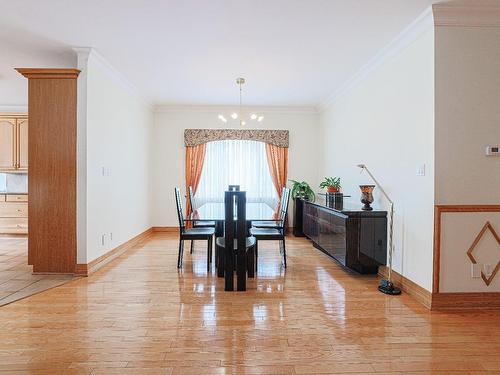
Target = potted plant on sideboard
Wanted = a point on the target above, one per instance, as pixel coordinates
(300, 190)
(332, 184)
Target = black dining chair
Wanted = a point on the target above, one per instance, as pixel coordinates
(235, 245)
(197, 224)
(275, 233)
(191, 233)
(283, 208)
(234, 187)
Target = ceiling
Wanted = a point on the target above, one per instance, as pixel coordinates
(291, 52)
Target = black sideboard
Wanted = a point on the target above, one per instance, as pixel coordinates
(357, 239)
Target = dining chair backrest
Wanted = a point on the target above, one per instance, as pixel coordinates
(191, 198)
(178, 203)
(285, 199)
(234, 229)
(234, 187)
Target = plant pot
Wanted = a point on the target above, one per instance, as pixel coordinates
(332, 189)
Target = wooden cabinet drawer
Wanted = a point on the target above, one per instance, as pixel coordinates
(16, 198)
(13, 225)
(2, 197)
(12, 209)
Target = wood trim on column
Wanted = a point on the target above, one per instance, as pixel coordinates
(39, 73)
(52, 103)
(438, 210)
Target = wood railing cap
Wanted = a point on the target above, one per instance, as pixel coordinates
(49, 73)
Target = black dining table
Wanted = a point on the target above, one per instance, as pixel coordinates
(215, 211)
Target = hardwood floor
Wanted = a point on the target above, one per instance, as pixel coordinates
(16, 278)
(139, 315)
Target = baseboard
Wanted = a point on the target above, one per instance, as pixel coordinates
(422, 295)
(166, 229)
(469, 301)
(94, 265)
(444, 301)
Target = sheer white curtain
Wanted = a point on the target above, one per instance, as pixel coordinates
(236, 162)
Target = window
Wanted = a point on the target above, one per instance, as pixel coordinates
(3, 182)
(238, 162)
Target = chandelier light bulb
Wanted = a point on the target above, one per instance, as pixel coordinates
(240, 115)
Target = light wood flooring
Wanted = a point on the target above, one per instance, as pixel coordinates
(16, 278)
(139, 315)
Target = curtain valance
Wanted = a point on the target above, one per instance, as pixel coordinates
(195, 137)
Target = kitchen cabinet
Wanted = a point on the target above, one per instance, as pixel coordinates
(13, 213)
(13, 142)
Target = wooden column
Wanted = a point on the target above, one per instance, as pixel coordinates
(52, 169)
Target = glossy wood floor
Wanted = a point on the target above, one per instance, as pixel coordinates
(16, 278)
(139, 315)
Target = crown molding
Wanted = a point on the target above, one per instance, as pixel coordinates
(227, 108)
(89, 54)
(421, 24)
(473, 14)
(14, 108)
(49, 73)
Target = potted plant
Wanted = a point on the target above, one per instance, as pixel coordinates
(302, 190)
(332, 184)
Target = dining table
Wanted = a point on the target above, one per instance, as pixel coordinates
(215, 211)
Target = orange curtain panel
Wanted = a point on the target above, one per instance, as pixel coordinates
(195, 156)
(277, 158)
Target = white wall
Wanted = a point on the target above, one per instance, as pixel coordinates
(118, 130)
(386, 121)
(467, 120)
(467, 115)
(169, 151)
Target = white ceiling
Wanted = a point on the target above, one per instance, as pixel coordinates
(292, 52)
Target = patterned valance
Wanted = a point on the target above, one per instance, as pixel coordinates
(195, 137)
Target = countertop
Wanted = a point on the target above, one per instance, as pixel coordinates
(12, 193)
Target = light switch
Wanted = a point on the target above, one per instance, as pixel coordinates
(475, 270)
(421, 170)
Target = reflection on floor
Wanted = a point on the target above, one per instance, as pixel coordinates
(139, 315)
(16, 279)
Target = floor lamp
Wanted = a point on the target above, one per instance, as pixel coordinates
(386, 286)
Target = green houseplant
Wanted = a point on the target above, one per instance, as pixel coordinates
(332, 184)
(302, 190)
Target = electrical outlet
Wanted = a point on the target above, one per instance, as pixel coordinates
(103, 239)
(488, 269)
(421, 170)
(475, 270)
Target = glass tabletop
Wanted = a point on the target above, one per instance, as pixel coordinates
(216, 212)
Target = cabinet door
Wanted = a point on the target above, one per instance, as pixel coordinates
(22, 144)
(7, 144)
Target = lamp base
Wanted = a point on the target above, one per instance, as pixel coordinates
(388, 287)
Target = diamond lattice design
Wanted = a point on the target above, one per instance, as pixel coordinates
(487, 226)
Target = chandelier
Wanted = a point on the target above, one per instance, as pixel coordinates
(240, 116)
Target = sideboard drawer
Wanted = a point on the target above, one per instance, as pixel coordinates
(17, 198)
(13, 225)
(12, 209)
(2, 197)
